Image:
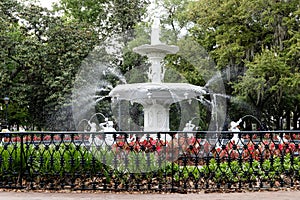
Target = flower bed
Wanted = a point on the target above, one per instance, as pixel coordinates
(247, 148)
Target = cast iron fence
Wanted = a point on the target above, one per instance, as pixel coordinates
(120, 161)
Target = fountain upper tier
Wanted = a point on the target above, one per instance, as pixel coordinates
(156, 52)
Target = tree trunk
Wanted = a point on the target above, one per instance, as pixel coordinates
(295, 121)
(288, 120)
(278, 123)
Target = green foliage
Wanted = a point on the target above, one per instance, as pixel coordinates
(49, 159)
(257, 42)
(42, 55)
(234, 171)
(264, 81)
(53, 159)
(108, 16)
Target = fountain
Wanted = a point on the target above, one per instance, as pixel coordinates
(156, 96)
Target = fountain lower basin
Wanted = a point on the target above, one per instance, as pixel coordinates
(162, 93)
(156, 99)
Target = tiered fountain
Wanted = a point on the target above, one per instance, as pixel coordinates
(156, 96)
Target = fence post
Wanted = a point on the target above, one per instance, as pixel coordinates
(172, 159)
(21, 161)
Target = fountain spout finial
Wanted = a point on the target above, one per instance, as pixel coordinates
(155, 31)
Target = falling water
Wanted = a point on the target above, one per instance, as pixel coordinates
(260, 124)
(114, 71)
(92, 87)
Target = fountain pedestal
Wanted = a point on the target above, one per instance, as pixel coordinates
(156, 53)
(156, 116)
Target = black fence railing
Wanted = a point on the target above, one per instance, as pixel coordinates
(169, 161)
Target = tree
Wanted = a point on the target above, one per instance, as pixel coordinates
(264, 84)
(253, 36)
(109, 17)
(42, 59)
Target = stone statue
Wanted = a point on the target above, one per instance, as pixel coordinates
(189, 127)
(94, 140)
(107, 126)
(234, 127)
(93, 126)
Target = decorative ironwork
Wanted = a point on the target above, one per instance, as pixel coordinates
(135, 161)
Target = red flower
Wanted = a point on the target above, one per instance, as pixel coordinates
(144, 143)
(153, 142)
(120, 143)
(26, 138)
(137, 147)
(234, 154)
(56, 137)
(206, 147)
(265, 142)
(272, 146)
(47, 138)
(292, 146)
(280, 146)
(67, 138)
(158, 149)
(16, 139)
(76, 137)
(36, 138)
(223, 154)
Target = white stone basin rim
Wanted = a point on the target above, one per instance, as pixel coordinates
(164, 49)
(163, 93)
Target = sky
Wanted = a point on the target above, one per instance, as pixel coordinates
(47, 3)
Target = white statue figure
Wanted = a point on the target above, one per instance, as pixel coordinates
(234, 127)
(5, 130)
(189, 127)
(94, 140)
(282, 140)
(108, 127)
(93, 126)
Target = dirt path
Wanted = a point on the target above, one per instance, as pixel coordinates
(277, 195)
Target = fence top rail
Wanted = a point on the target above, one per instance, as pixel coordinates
(153, 132)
